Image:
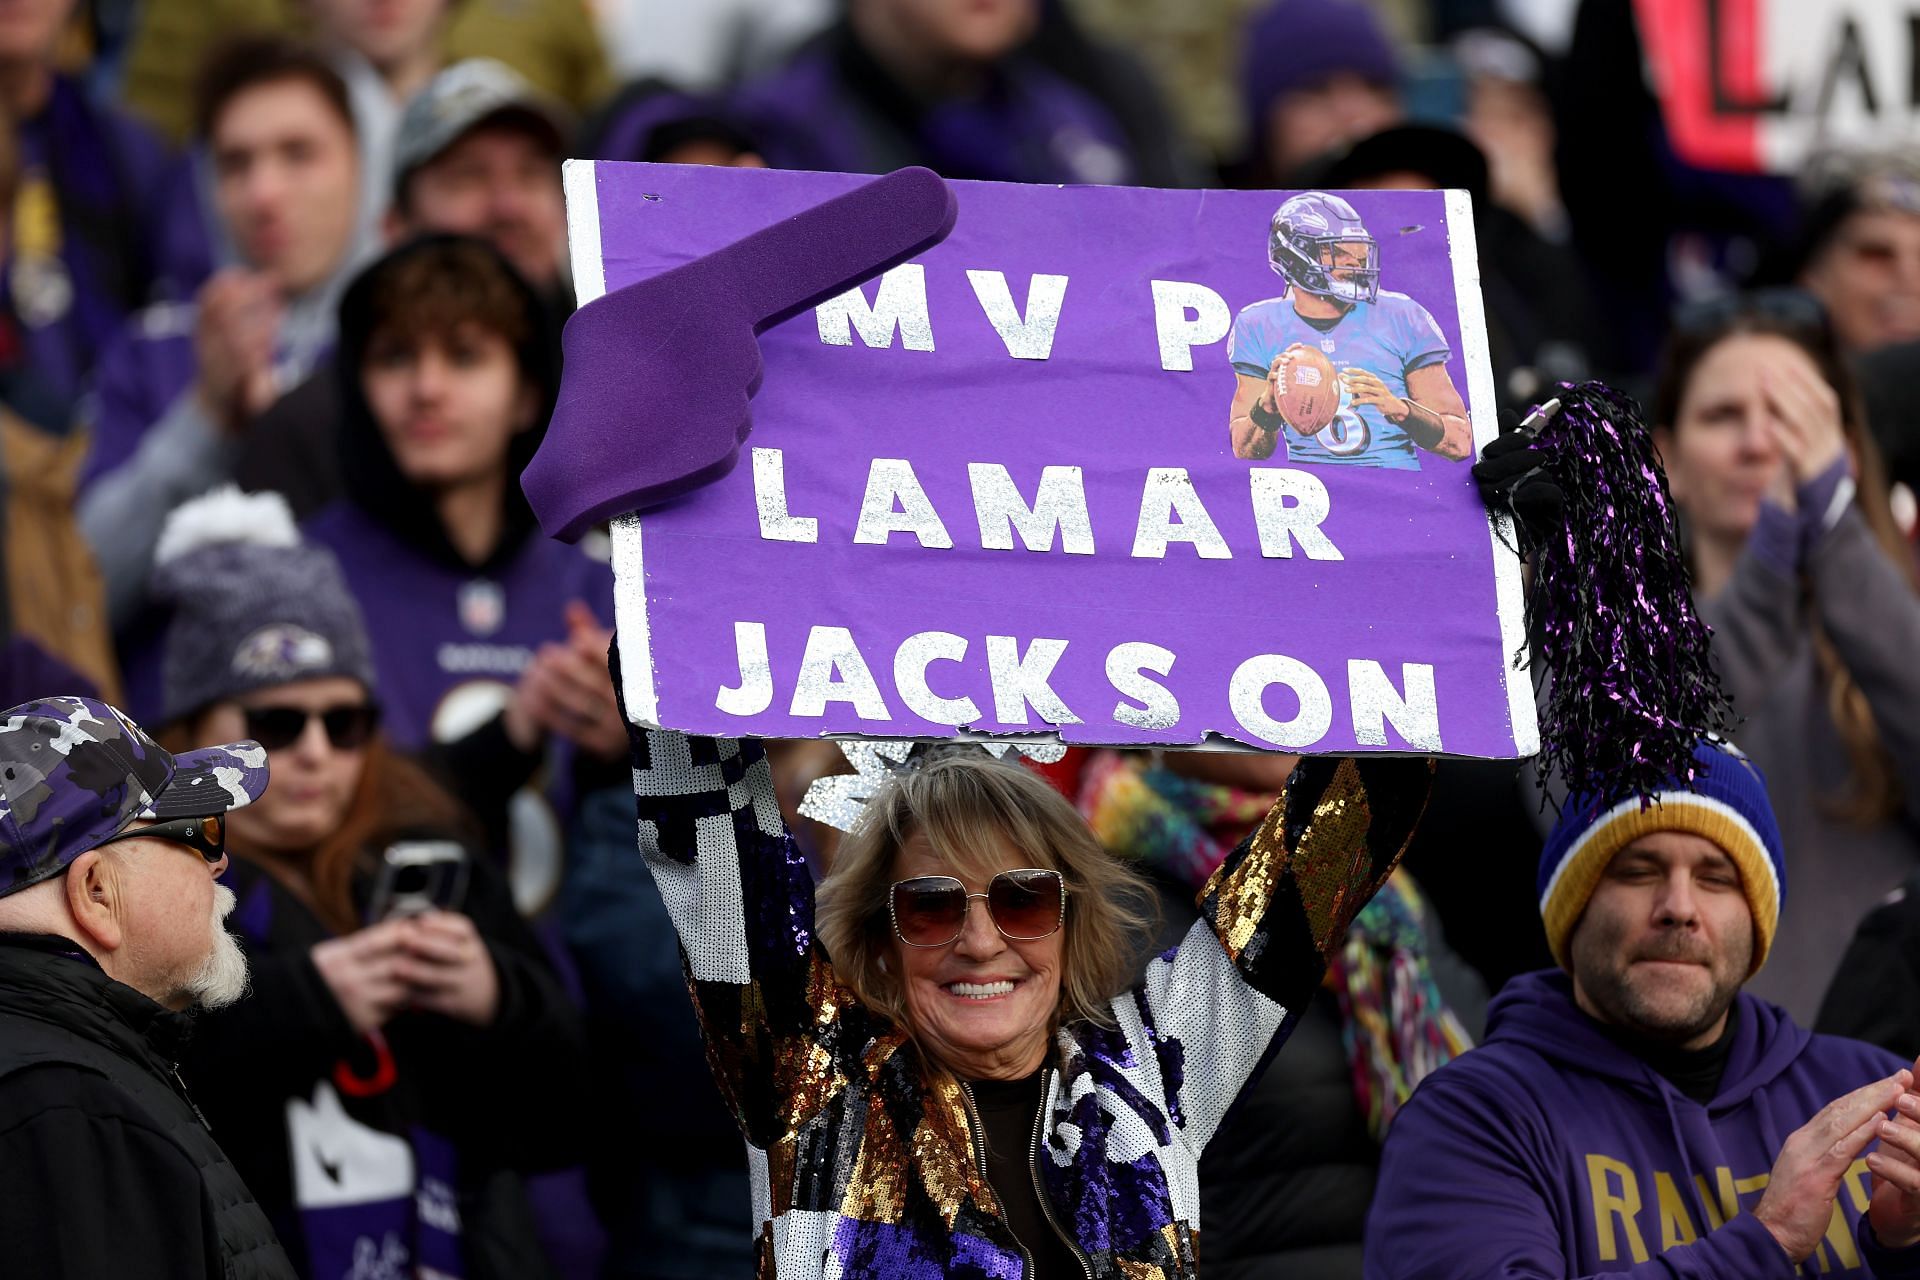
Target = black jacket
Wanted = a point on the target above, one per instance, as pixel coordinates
(106, 1169)
(505, 1099)
(1287, 1195)
(1876, 994)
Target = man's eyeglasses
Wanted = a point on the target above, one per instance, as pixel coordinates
(348, 727)
(1024, 905)
(206, 836)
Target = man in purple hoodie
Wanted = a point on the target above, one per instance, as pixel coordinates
(1638, 1113)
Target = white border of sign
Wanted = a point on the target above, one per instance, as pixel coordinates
(630, 604)
(629, 607)
(1508, 598)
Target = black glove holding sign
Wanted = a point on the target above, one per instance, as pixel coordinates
(1629, 686)
(1513, 480)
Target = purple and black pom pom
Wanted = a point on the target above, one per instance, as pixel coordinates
(1629, 684)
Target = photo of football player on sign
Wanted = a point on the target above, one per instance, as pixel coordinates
(1347, 373)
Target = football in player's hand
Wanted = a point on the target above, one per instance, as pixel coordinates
(1305, 390)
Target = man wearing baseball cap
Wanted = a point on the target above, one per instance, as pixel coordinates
(110, 928)
(1635, 1112)
(478, 154)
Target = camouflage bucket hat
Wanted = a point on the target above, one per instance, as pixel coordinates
(75, 772)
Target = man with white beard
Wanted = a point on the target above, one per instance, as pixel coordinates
(110, 929)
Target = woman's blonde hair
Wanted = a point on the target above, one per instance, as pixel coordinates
(973, 809)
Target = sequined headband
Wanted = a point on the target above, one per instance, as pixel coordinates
(839, 800)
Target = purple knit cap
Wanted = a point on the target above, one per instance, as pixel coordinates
(1292, 44)
(75, 772)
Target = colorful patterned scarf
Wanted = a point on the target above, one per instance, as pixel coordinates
(1394, 1024)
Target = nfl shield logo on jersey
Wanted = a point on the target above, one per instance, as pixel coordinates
(483, 607)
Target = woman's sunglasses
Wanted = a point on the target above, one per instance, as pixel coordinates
(277, 728)
(1024, 905)
(206, 836)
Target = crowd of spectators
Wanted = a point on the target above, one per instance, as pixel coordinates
(317, 249)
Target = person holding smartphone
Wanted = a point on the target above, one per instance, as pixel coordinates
(393, 1069)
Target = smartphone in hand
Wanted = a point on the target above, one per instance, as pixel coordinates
(417, 876)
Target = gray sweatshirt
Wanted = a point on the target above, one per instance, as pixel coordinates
(1823, 565)
(184, 453)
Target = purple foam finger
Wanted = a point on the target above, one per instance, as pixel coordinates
(653, 400)
(835, 245)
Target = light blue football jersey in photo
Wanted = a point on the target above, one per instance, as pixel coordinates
(1391, 337)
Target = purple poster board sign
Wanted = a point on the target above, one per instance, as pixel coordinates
(996, 492)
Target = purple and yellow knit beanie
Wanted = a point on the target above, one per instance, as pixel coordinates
(1725, 802)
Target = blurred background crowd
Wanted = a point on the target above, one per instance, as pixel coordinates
(317, 248)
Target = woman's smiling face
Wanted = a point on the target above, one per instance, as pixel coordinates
(984, 1004)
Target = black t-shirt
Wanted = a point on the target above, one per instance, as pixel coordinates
(1009, 1113)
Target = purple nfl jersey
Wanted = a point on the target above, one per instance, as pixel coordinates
(1390, 337)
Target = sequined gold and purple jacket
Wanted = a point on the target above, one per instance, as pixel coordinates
(864, 1165)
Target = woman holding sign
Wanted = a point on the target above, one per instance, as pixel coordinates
(943, 1069)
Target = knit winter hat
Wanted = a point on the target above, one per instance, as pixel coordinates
(1292, 44)
(252, 605)
(1726, 802)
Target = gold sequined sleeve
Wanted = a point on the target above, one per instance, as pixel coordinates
(1282, 900)
(1217, 1005)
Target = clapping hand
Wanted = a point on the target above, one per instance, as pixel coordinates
(566, 691)
(234, 333)
(1798, 1204)
(1895, 1209)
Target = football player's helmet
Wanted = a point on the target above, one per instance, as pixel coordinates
(1301, 247)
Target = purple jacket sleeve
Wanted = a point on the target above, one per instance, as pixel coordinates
(139, 376)
(1464, 1192)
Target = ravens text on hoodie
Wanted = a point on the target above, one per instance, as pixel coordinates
(1551, 1152)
